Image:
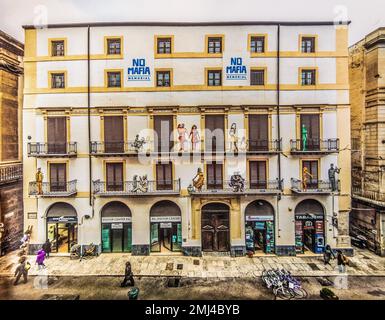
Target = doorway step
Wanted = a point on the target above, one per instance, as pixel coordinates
(216, 254)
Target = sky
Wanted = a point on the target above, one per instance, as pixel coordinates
(366, 16)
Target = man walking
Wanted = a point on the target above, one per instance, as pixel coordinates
(128, 276)
(342, 261)
(22, 270)
(328, 255)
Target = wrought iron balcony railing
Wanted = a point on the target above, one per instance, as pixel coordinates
(136, 188)
(370, 195)
(314, 186)
(37, 149)
(264, 146)
(52, 189)
(314, 146)
(120, 147)
(246, 187)
(10, 173)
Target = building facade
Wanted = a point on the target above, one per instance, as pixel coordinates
(11, 187)
(189, 138)
(367, 72)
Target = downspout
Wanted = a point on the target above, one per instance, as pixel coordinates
(89, 117)
(279, 122)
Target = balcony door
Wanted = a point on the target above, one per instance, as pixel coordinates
(114, 176)
(258, 132)
(163, 127)
(58, 177)
(113, 134)
(214, 176)
(164, 179)
(312, 125)
(312, 168)
(258, 174)
(57, 135)
(215, 133)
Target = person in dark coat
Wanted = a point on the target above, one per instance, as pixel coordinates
(342, 261)
(21, 270)
(328, 255)
(47, 248)
(128, 276)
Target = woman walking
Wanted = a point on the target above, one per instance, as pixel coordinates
(40, 259)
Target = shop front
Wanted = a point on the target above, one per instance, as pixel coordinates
(62, 227)
(259, 227)
(116, 227)
(309, 227)
(166, 227)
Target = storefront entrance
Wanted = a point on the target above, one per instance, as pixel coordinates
(166, 227)
(215, 227)
(116, 227)
(309, 227)
(62, 227)
(259, 227)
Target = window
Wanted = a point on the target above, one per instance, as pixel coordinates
(113, 134)
(257, 44)
(215, 133)
(163, 78)
(114, 174)
(164, 176)
(57, 177)
(258, 132)
(113, 46)
(57, 80)
(163, 45)
(57, 135)
(257, 171)
(163, 127)
(308, 77)
(114, 79)
(214, 45)
(312, 177)
(57, 48)
(214, 176)
(308, 44)
(257, 77)
(214, 78)
(311, 122)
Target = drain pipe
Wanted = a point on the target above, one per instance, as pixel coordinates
(279, 121)
(89, 116)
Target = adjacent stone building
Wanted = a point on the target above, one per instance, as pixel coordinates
(11, 195)
(367, 97)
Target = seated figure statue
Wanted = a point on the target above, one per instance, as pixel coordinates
(138, 143)
(237, 182)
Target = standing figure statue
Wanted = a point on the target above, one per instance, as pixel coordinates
(135, 184)
(182, 132)
(305, 176)
(237, 182)
(143, 183)
(138, 143)
(332, 176)
(233, 138)
(39, 181)
(304, 137)
(194, 137)
(199, 180)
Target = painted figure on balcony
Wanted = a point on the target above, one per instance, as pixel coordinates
(237, 182)
(143, 183)
(182, 133)
(138, 143)
(233, 138)
(332, 177)
(199, 180)
(243, 144)
(135, 184)
(305, 178)
(304, 137)
(194, 137)
(39, 181)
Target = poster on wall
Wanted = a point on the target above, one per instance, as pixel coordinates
(139, 71)
(269, 237)
(236, 70)
(298, 237)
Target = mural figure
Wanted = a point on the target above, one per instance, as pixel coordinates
(39, 181)
(199, 180)
(144, 183)
(305, 177)
(332, 176)
(237, 182)
(243, 144)
(139, 184)
(182, 132)
(135, 184)
(194, 137)
(138, 143)
(233, 138)
(304, 137)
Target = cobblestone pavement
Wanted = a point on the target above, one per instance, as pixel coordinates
(364, 263)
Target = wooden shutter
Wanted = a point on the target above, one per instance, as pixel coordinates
(214, 176)
(113, 134)
(258, 132)
(163, 126)
(164, 178)
(114, 174)
(312, 167)
(57, 135)
(216, 141)
(58, 177)
(312, 124)
(258, 174)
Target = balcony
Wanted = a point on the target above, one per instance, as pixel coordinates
(136, 188)
(53, 150)
(123, 148)
(314, 146)
(313, 186)
(271, 187)
(264, 146)
(10, 173)
(53, 189)
(375, 197)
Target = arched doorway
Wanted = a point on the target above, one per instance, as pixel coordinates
(116, 227)
(259, 227)
(166, 227)
(215, 227)
(309, 226)
(62, 227)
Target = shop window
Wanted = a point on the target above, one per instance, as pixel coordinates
(113, 46)
(164, 45)
(57, 48)
(57, 80)
(214, 78)
(257, 44)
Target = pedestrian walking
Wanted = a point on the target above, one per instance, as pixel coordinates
(22, 270)
(328, 255)
(40, 259)
(128, 276)
(342, 261)
(47, 248)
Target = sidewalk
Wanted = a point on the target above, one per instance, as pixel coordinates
(364, 263)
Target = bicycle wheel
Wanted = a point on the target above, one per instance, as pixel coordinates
(299, 293)
(282, 293)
